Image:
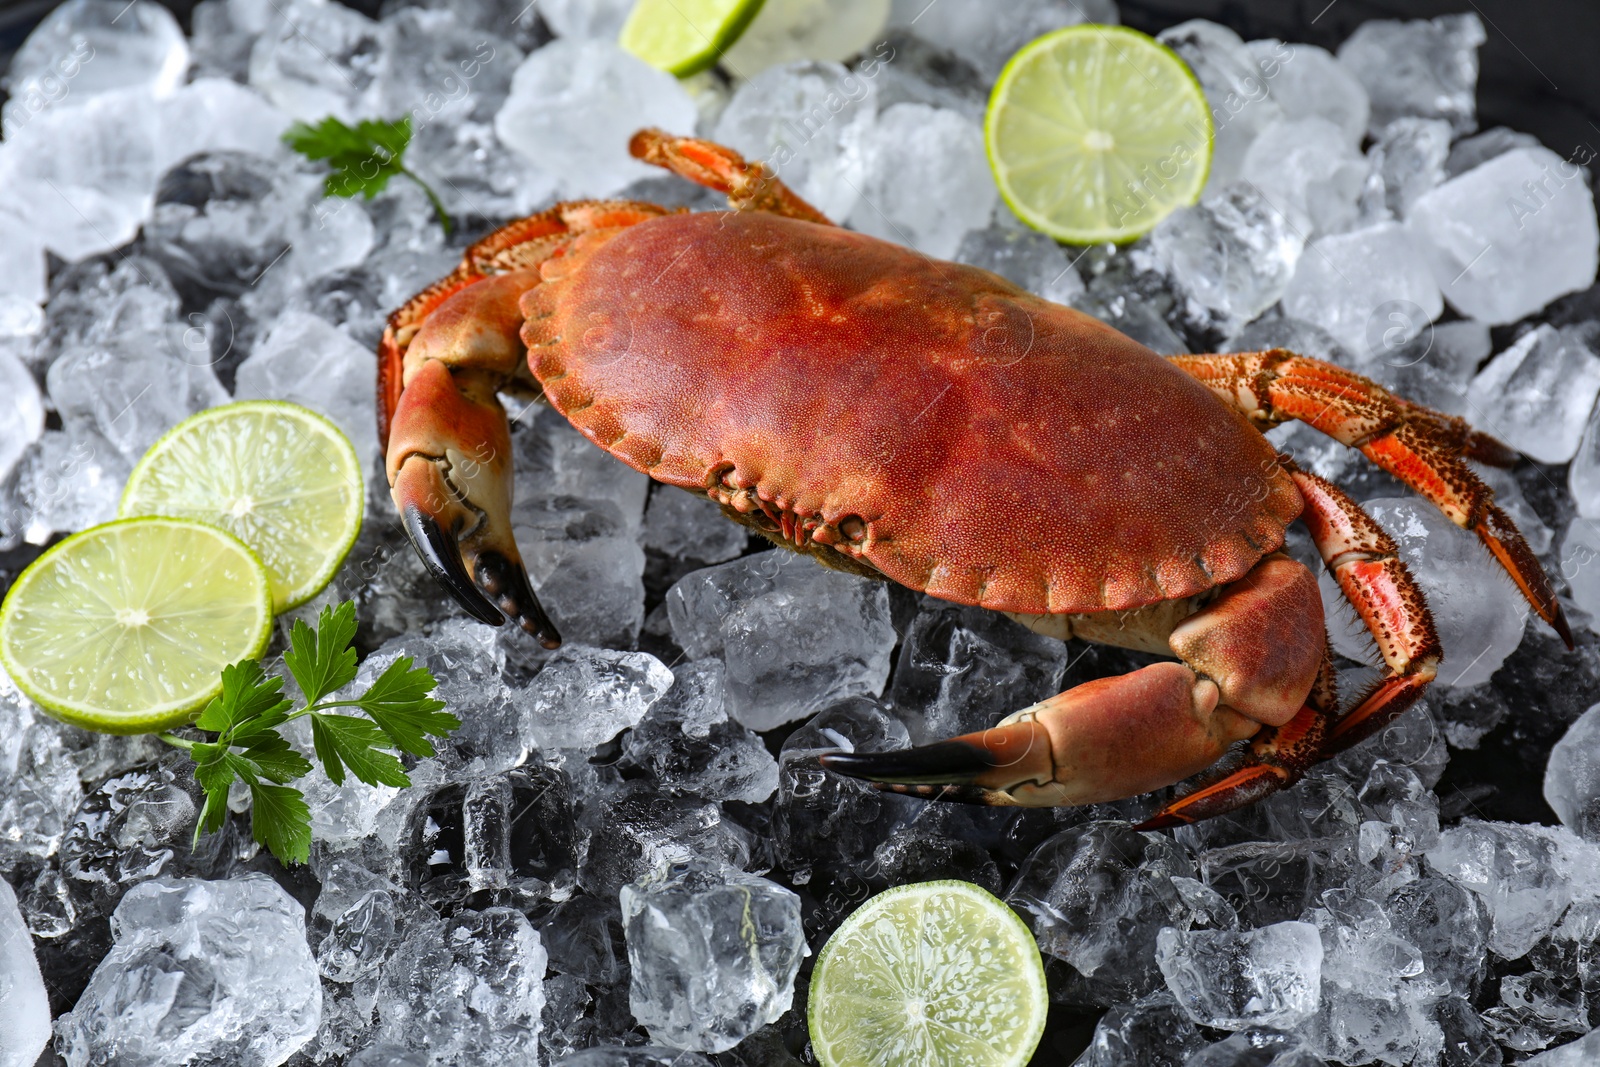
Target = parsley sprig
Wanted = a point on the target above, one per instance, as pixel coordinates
(398, 716)
(362, 158)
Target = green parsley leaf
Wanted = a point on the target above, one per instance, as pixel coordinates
(399, 703)
(272, 757)
(247, 694)
(363, 158)
(323, 661)
(344, 740)
(280, 820)
(215, 775)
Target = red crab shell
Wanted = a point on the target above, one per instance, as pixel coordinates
(994, 448)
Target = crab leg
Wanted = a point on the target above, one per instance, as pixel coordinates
(1251, 658)
(749, 186)
(1419, 446)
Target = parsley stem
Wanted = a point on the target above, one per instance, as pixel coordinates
(176, 742)
(433, 198)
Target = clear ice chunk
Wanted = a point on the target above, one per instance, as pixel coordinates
(1572, 776)
(1580, 551)
(574, 105)
(1583, 477)
(215, 114)
(1269, 977)
(712, 953)
(1536, 396)
(24, 1006)
(1526, 875)
(1510, 235)
(467, 991)
(1480, 615)
(1152, 1032)
(640, 830)
(1427, 68)
(1406, 161)
(1353, 284)
(683, 525)
(1240, 96)
(1579, 1053)
(1233, 253)
(813, 124)
(1308, 82)
(586, 696)
(690, 746)
(39, 789)
(22, 413)
(1482, 147)
(584, 559)
(314, 59)
(1436, 367)
(66, 481)
(794, 636)
(1257, 1048)
(970, 29)
(926, 208)
(22, 263)
(1306, 170)
(212, 971)
(1023, 256)
(87, 47)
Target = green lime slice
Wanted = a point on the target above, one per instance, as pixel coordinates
(1097, 133)
(685, 37)
(936, 974)
(125, 628)
(279, 477)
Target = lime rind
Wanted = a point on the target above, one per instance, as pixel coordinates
(994, 1019)
(129, 664)
(1088, 194)
(304, 522)
(685, 37)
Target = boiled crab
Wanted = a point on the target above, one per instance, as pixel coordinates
(931, 423)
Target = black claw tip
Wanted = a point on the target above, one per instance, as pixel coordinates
(509, 582)
(941, 763)
(1564, 631)
(442, 556)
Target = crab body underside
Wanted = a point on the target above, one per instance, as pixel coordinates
(933, 424)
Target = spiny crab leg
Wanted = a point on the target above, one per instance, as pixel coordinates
(449, 451)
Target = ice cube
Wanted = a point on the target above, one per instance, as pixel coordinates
(39, 790)
(813, 124)
(1510, 235)
(786, 31)
(1300, 337)
(1151, 1032)
(1306, 170)
(22, 265)
(1536, 396)
(1406, 161)
(1450, 927)
(131, 828)
(908, 69)
(201, 971)
(1230, 980)
(131, 394)
(467, 991)
(690, 747)
(585, 562)
(315, 59)
(1525, 876)
(1436, 367)
(1025, 257)
(962, 669)
(637, 1056)
(218, 223)
(1240, 97)
(639, 830)
(1306, 82)
(684, 525)
(1352, 283)
(1478, 613)
(927, 208)
(970, 29)
(1480, 148)
(1580, 566)
(794, 636)
(356, 921)
(573, 106)
(924, 853)
(24, 1006)
(215, 114)
(1256, 1048)
(305, 360)
(1097, 896)
(586, 696)
(1234, 252)
(713, 954)
(1579, 1053)
(586, 19)
(1583, 477)
(1424, 68)
(22, 417)
(66, 481)
(1572, 776)
(87, 47)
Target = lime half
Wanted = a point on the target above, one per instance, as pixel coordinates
(125, 628)
(685, 36)
(1097, 133)
(936, 974)
(279, 477)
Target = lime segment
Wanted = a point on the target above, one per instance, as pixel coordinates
(1097, 133)
(685, 36)
(125, 628)
(280, 477)
(936, 973)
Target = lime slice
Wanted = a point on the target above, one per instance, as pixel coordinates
(1097, 133)
(279, 477)
(685, 36)
(124, 628)
(936, 973)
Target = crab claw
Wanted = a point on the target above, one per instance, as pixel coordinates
(1103, 740)
(455, 496)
